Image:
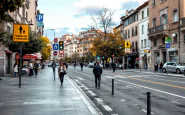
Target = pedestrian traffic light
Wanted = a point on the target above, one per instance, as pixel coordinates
(61, 45)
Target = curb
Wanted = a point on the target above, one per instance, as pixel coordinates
(98, 111)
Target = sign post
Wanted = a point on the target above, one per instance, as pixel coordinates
(127, 51)
(20, 34)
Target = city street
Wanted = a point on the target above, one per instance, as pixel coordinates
(130, 95)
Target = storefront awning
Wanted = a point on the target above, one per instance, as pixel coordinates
(28, 56)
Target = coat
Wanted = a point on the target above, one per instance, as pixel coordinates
(97, 70)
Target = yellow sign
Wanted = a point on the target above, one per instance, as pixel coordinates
(21, 33)
(94, 53)
(127, 44)
(108, 59)
(144, 51)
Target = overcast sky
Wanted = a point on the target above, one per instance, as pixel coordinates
(69, 16)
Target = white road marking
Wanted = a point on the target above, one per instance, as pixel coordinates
(80, 78)
(110, 77)
(99, 100)
(107, 108)
(144, 110)
(35, 102)
(92, 93)
(154, 89)
(176, 102)
(123, 100)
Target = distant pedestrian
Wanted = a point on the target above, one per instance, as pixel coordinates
(161, 67)
(36, 67)
(31, 69)
(74, 65)
(15, 69)
(61, 72)
(156, 67)
(53, 66)
(97, 70)
(114, 67)
(81, 65)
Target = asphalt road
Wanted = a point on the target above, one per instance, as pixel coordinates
(130, 94)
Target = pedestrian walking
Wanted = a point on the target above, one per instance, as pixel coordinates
(36, 67)
(61, 72)
(15, 69)
(81, 64)
(74, 65)
(156, 67)
(31, 69)
(97, 70)
(114, 67)
(161, 67)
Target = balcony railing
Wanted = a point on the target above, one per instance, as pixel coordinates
(159, 28)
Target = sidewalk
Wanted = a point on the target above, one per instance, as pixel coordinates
(152, 72)
(42, 95)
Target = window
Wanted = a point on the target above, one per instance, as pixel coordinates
(154, 22)
(142, 29)
(155, 42)
(128, 33)
(8, 29)
(163, 19)
(136, 46)
(133, 47)
(147, 11)
(132, 32)
(175, 39)
(144, 43)
(148, 43)
(153, 3)
(175, 15)
(142, 14)
(136, 31)
(163, 40)
(141, 43)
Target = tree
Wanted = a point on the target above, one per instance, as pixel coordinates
(9, 6)
(102, 20)
(46, 50)
(33, 46)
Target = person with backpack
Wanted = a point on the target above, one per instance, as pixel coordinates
(97, 70)
(36, 67)
(61, 72)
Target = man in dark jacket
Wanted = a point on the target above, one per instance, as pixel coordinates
(97, 72)
(114, 67)
(81, 64)
(36, 67)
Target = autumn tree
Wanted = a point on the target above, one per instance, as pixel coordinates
(46, 50)
(9, 6)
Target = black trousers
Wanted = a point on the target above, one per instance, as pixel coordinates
(31, 72)
(61, 77)
(97, 80)
(36, 72)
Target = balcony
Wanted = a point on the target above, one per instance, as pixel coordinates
(24, 21)
(158, 29)
(182, 24)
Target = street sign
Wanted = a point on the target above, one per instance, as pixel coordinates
(21, 33)
(55, 53)
(127, 44)
(168, 40)
(55, 46)
(94, 53)
(55, 39)
(167, 46)
(127, 50)
(61, 52)
(145, 51)
(40, 24)
(61, 45)
(40, 17)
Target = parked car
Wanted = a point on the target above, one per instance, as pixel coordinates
(91, 65)
(173, 67)
(49, 64)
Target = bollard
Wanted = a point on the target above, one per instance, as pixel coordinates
(148, 103)
(140, 69)
(112, 86)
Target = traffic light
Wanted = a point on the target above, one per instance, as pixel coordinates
(61, 45)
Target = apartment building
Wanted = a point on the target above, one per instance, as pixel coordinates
(164, 18)
(131, 34)
(144, 53)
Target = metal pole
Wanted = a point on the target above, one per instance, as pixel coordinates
(148, 103)
(20, 65)
(54, 69)
(179, 29)
(112, 86)
(184, 71)
(167, 69)
(127, 62)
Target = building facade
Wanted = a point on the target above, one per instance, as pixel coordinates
(131, 34)
(144, 53)
(164, 23)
